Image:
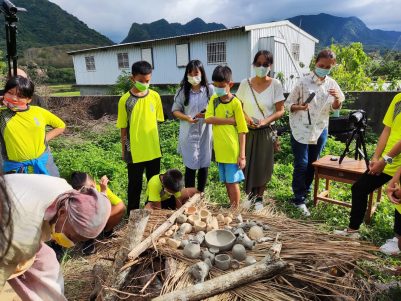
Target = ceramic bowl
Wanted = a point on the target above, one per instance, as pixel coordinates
(221, 239)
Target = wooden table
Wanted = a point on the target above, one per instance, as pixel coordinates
(348, 172)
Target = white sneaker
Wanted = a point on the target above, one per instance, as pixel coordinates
(303, 209)
(258, 206)
(347, 233)
(390, 247)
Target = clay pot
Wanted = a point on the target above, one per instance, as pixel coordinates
(220, 217)
(199, 237)
(221, 239)
(186, 228)
(182, 218)
(214, 250)
(199, 226)
(228, 220)
(204, 214)
(235, 264)
(162, 241)
(239, 252)
(255, 233)
(184, 242)
(174, 227)
(199, 271)
(212, 224)
(245, 241)
(192, 250)
(173, 243)
(249, 260)
(169, 233)
(239, 219)
(193, 218)
(206, 254)
(222, 261)
(191, 210)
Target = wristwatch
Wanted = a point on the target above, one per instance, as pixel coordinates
(388, 159)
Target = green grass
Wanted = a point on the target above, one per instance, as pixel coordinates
(100, 154)
(64, 90)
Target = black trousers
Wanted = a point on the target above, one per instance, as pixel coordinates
(190, 175)
(135, 174)
(360, 192)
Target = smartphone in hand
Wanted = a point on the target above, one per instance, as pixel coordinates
(310, 97)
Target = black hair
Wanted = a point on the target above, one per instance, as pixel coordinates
(25, 86)
(267, 54)
(173, 180)
(6, 223)
(141, 67)
(78, 179)
(186, 86)
(326, 54)
(222, 74)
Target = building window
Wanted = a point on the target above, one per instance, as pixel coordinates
(123, 62)
(216, 53)
(90, 63)
(295, 51)
(182, 54)
(147, 55)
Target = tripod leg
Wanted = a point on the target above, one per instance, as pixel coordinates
(365, 153)
(346, 150)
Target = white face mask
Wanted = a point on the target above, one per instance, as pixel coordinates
(262, 71)
(194, 80)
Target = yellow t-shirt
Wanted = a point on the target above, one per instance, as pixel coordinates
(393, 120)
(225, 137)
(24, 132)
(155, 191)
(114, 199)
(143, 134)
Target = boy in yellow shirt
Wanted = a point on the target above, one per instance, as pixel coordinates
(166, 191)
(139, 111)
(225, 113)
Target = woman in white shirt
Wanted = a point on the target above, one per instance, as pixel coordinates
(263, 104)
(309, 105)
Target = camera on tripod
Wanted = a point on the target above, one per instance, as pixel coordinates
(358, 118)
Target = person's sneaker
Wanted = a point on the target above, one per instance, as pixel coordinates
(258, 203)
(354, 234)
(390, 247)
(303, 209)
(88, 247)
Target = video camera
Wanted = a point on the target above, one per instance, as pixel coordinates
(358, 118)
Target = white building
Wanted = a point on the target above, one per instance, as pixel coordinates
(98, 68)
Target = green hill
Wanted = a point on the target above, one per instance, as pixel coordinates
(163, 29)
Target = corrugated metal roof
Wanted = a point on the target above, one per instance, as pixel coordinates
(156, 40)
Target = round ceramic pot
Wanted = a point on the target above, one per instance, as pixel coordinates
(249, 260)
(186, 228)
(191, 210)
(222, 261)
(182, 218)
(239, 252)
(221, 239)
(204, 214)
(206, 254)
(192, 250)
(193, 218)
(255, 232)
(199, 226)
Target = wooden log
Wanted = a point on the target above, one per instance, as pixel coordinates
(99, 277)
(263, 269)
(136, 227)
(148, 242)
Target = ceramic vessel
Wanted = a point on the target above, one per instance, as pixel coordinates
(245, 241)
(199, 271)
(235, 264)
(204, 214)
(220, 217)
(255, 233)
(214, 250)
(239, 252)
(192, 250)
(174, 227)
(162, 241)
(199, 226)
(199, 237)
(191, 210)
(206, 254)
(249, 260)
(184, 242)
(212, 224)
(228, 220)
(182, 218)
(222, 261)
(169, 233)
(173, 243)
(239, 219)
(186, 228)
(221, 239)
(193, 218)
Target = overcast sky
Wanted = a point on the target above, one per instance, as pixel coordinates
(114, 18)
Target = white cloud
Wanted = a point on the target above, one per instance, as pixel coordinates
(114, 18)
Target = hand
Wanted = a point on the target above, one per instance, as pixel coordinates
(249, 121)
(103, 183)
(376, 167)
(241, 162)
(232, 121)
(263, 122)
(393, 189)
(191, 120)
(301, 107)
(334, 92)
(200, 115)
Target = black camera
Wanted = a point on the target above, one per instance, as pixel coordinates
(358, 118)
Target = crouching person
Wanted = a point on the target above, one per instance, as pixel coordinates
(166, 191)
(45, 208)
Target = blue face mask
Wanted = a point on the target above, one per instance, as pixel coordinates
(322, 72)
(220, 91)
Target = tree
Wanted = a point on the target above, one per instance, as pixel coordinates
(350, 71)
